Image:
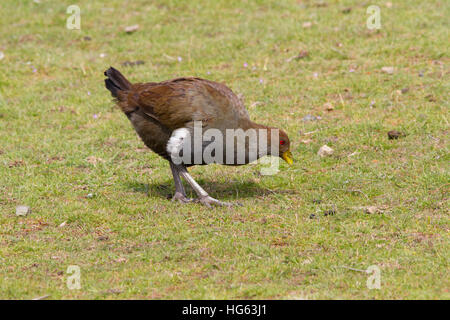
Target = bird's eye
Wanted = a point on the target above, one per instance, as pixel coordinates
(282, 142)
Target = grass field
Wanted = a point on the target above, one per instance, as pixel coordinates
(99, 198)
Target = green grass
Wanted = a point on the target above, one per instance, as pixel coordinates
(131, 242)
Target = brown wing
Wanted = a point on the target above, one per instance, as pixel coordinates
(177, 103)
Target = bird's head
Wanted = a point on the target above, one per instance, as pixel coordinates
(285, 148)
(284, 145)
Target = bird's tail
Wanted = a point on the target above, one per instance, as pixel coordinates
(116, 82)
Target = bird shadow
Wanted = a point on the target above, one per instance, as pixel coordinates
(230, 190)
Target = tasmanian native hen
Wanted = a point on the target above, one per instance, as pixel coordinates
(167, 114)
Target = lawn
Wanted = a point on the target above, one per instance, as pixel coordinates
(100, 200)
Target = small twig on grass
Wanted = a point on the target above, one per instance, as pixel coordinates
(340, 52)
(169, 57)
(256, 103)
(353, 269)
(82, 69)
(342, 100)
(310, 132)
(42, 298)
(270, 191)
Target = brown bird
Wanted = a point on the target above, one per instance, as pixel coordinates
(165, 116)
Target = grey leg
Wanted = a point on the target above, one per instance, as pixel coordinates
(203, 196)
(180, 194)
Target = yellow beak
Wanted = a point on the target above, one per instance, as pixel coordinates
(287, 156)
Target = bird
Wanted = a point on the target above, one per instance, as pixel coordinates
(166, 114)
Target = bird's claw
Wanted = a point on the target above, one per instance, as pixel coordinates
(210, 201)
(181, 198)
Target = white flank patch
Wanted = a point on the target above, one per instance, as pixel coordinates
(175, 143)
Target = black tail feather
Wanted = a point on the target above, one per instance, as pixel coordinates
(111, 87)
(116, 82)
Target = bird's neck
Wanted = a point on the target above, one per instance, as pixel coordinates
(246, 124)
(262, 132)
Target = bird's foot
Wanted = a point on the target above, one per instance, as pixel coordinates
(181, 198)
(210, 201)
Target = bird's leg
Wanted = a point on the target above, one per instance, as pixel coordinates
(203, 196)
(180, 194)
